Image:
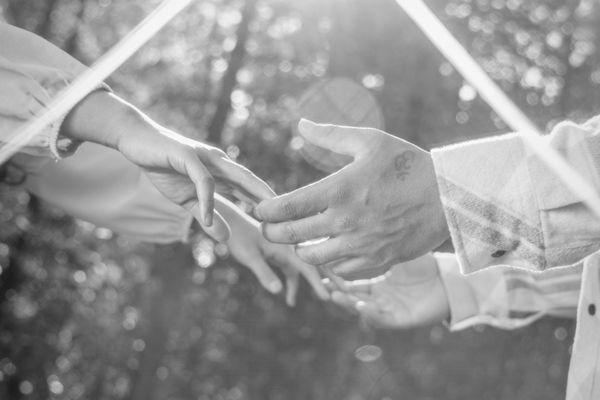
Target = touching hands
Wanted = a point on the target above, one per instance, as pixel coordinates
(381, 209)
(409, 295)
(250, 248)
(183, 170)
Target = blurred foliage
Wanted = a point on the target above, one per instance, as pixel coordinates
(85, 314)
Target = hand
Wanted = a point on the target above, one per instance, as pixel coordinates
(185, 171)
(182, 169)
(381, 209)
(409, 295)
(250, 248)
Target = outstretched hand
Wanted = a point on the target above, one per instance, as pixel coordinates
(409, 295)
(184, 170)
(251, 249)
(381, 209)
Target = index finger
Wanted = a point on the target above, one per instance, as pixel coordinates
(300, 203)
(242, 179)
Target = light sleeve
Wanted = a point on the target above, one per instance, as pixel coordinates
(506, 297)
(505, 207)
(99, 185)
(32, 72)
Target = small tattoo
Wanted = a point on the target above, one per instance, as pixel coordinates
(403, 163)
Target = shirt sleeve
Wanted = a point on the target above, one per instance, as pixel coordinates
(32, 72)
(506, 297)
(505, 207)
(100, 185)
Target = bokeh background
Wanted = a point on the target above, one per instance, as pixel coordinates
(86, 314)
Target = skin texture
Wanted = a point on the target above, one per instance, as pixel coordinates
(184, 170)
(250, 248)
(410, 295)
(381, 209)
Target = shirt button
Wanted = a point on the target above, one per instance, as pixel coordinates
(498, 253)
(592, 309)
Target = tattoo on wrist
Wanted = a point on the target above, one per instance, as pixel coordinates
(403, 163)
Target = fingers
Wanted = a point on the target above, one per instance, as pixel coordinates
(369, 310)
(265, 275)
(291, 284)
(241, 178)
(205, 187)
(313, 278)
(374, 315)
(332, 282)
(325, 252)
(289, 262)
(294, 232)
(351, 266)
(219, 230)
(345, 300)
(300, 203)
(362, 286)
(347, 140)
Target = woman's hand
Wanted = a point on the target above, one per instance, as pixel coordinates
(182, 169)
(249, 248)
(409, 295)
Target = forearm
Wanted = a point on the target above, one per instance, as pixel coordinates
(103, 118)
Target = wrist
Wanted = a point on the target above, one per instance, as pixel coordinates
(102, 118)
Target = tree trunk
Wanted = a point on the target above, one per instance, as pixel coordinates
(236, 60)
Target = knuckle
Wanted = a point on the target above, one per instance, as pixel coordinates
(214, 153)
(287, 208)
(339, 194)
(311, 256)
(290, 232)
(186, 152)
(345, 223)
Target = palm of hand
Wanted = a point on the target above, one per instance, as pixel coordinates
(250, 248)
(409, 295)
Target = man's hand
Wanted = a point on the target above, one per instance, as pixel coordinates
(184, 170)
(409, 295)
(381, 209)
(251, 249)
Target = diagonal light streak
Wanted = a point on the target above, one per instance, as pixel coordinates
(464, 63)
(94, 76)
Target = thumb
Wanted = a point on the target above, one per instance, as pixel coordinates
(219, 230)
(346, 140)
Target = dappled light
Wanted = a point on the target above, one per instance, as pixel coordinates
(87, 313)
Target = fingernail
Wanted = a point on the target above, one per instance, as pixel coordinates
(208, 219)
(275, 287)
(323, 296)
(256, 212)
